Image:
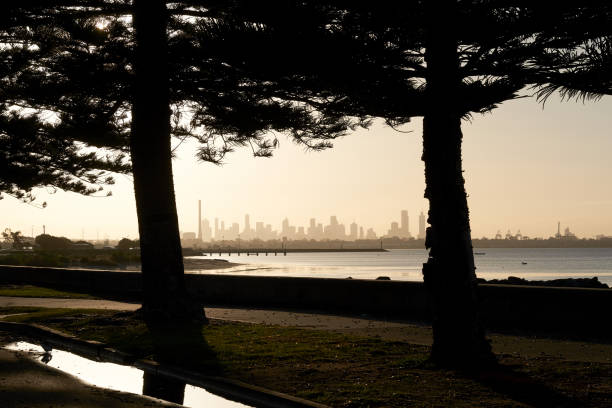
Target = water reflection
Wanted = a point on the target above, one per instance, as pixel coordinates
(123, 378)
(164, 388)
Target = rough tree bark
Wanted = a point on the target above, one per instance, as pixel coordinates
(165, 297)
(449, 273)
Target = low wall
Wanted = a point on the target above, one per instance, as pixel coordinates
(567, 310)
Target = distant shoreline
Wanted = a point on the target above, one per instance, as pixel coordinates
(393, 243)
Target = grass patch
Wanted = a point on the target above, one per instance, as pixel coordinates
(337, 369)
(52, 317)
(18, 309)
(37, 291)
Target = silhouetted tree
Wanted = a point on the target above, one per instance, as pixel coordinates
(443, 60)
(125, 243)
(35, 152)
(14, 238)
(464, 57)
(133, 84)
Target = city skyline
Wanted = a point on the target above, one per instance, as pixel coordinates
(549, 165)
(216, 229)
(335, 230)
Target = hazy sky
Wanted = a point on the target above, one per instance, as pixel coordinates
(526, 168)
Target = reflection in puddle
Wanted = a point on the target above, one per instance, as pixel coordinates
(114, 376)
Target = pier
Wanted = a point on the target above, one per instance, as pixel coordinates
(280, 251)
(247, 252)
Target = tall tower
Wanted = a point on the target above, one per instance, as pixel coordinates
(200, 220)
(422, 226)
(405, 230)
(247, 224)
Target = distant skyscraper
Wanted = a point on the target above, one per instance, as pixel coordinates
(260, 231)
(247, 227)
(361, 235)
(422, 226)
(312, 230)
(404, 229)
(354, 231)
(216, 228)
(206, 231)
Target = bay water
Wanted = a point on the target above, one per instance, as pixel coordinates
(406, 264)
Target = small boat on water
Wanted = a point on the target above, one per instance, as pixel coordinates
(523, 263)
(480, 253)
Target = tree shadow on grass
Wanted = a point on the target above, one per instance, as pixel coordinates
(178, 345)
(521, 387)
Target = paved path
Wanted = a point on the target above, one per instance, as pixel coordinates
(362, 326)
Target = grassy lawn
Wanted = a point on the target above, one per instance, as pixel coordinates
(336, 369)
(36, 291)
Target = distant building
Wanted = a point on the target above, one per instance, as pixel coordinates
(394, 231)
(422, 228)
(189, 240)
(405, 228)
(206, 231)
(334, 230)
(354, 231)
(567, 234)
(300, 234)
(247, 232)
(370, 234)
(558, 234)
(189, 235)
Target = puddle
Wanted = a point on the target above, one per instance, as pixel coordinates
(114, 376)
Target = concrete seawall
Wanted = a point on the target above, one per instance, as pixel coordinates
(575, 311)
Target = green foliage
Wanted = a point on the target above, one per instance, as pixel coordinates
(126, 244)
(72, 258)
(35, 259)
(124, 257)
(49, 242)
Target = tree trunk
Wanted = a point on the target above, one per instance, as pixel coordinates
(165, 298)
(449, 273)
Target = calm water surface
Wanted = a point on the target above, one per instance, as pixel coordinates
(405, 264)
(113, 376)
